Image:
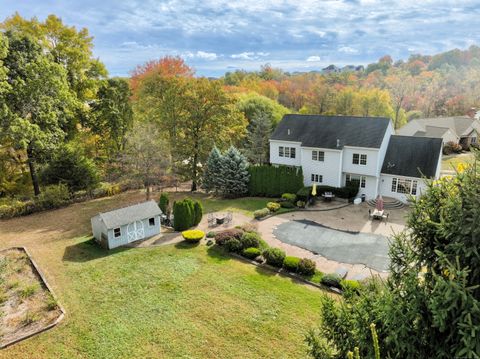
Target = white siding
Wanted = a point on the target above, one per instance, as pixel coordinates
(386, 187)
(276, 159)
(150, 231)
(329, 168)
(370, 169)
(449, 136)
(383, 148)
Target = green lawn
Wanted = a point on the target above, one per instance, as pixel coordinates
(158, 302)
(450, 163)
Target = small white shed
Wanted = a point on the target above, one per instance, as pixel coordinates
(125, 225)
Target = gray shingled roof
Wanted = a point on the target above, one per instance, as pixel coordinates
(432, 131)
(126, 215)
(459, 124)
(412, 156)
(323, 131)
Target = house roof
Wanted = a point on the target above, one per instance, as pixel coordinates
(412, 156)
(458, 124)
(126, 215)
(432, 131)
(323, 131)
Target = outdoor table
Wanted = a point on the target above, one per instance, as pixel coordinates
(377, 214)
(328, 196)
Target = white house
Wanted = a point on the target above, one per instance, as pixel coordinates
(334, 149)
(463, 130)
(126, 225)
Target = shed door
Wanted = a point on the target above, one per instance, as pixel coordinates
(135, 231)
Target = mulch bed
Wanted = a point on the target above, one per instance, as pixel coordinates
(27, 304)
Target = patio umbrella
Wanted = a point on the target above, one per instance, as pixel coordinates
(314, 190)
(379, 203)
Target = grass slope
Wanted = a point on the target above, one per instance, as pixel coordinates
(158, 302)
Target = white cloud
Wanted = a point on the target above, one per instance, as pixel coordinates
(313, 59)
(203, 55)
(347, 50)
(249, 55)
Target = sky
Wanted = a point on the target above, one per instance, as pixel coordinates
(215, 36)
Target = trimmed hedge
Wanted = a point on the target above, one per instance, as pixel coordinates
(347, 192)
(291, 263)
(187, 213)
(350, 285)
(290, 197)
(306, 267)
(251, 253)
(233, 245)
(163, 202)
(224, 236)
(249, 240)
(269, 181)
(260, 213)
(287, 204)
(332, 280)
(193, 235)
(274, 256)
(273, 206)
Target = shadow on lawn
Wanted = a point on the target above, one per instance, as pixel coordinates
(88, 250)
(186, 245)
(217, 253)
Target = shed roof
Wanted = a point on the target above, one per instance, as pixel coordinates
(126, 215)
(324, 131)
(412, 156)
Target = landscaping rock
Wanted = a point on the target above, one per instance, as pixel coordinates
(342, 272)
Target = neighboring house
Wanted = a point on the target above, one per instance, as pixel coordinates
(126, 225)
(463, 130)
(335, 149)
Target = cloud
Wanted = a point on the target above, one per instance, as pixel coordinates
(313, 59)
(203, 55)
(347, 50)
(249, 55)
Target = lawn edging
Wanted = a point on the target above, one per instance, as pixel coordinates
(281, 271)
(44, 282)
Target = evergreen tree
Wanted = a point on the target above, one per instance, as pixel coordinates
(234, 174)
(212, 174)
(257, 146)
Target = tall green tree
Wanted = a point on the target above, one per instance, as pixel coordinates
(429, 306)
(257, 147)
(39, 103)
(213, 171)
(112, 114)
(234, 174)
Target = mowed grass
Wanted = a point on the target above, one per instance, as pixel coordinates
(451, 163)
(173, 301)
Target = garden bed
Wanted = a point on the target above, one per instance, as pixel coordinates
(27, 305)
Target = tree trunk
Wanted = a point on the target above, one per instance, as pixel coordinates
(148, 191)
(194, 167)
(33, 171)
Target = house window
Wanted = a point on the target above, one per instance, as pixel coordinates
(363, 159)
(405, 186)
(280, 151)
(356, 159)
(117, 232)
(287, 151)
(361, 180)
(474, 140)
(151, 222)
(292, 152)
(359, 159)
(317, 178)
(318, 156)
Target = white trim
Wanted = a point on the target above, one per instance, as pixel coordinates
(281, 141)
(324, 149)
(364, 148)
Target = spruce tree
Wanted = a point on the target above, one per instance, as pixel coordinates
(234, 174)
(212, 174)
(257, 146)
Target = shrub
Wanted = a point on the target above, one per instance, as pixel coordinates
(274, 256)
(306, 267)
(301, 204)
(210, 234)
(291, 263)
(304, 193)
(350, 285)
(250, 240)
(198, 212)
(331, 280)
(287, 204)
(316, 277)
(193, 235)
(224, 236)
(270, 181)
(233, 245)
(53, 196)
(451, 147)
(248, 227)
(290, 197)
(251, 252)
(163, 202)
(263, 245)
(260, 213)
(273, 207)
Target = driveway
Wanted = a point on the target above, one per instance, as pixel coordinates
(368, 249)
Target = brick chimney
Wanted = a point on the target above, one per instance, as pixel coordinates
(472, 112)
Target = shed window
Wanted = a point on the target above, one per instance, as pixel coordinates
(117, 232)
(151, 221)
